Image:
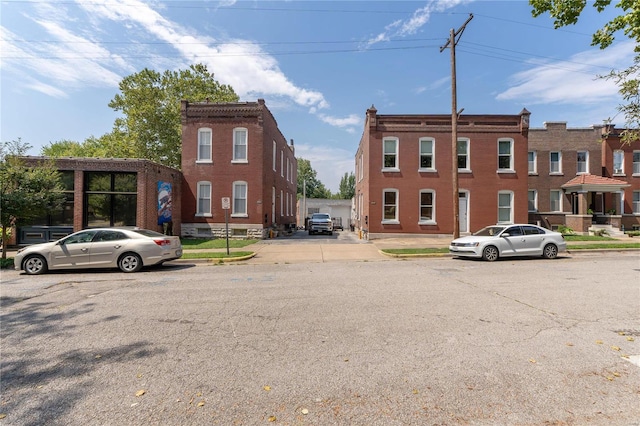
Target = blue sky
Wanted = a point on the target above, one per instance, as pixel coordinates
(318, 64)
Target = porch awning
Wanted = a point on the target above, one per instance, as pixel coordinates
(591, 183)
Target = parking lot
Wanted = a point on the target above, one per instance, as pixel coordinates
(394, 342)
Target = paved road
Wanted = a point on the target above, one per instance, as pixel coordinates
(397, 342)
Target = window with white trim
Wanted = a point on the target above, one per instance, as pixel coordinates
(505, 155)
(463, 154)
(361, 174)
(274, 156)
(636, 202)
(281, 204)
(533, 200)
(555, 200)
(582, 162)
(618, 162)
(427, 146)
(239, 207)
(636, 162)
(505, 207)
(204, 145)
(204, 199)
(240, 145)
(555, 162)
(390, 206)
(390, 154)
(427, 207)
(533, 162)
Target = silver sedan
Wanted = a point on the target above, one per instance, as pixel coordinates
(497, 241)
(126, 248)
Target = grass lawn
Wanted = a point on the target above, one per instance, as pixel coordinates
(215, 255)
(218, 243)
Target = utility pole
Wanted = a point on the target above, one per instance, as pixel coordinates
(454, 36)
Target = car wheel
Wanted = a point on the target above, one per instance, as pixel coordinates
(490, 253)
(34, 265)
(550, 251)
(330, 233)
(130, 262)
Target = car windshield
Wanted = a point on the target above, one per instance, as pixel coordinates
(489, 231)
(320, 216)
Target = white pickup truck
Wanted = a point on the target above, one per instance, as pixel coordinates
(320, 223)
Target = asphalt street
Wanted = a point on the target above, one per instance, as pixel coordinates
(437, 341)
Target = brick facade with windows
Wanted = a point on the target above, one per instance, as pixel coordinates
(235, 151)
(625, 168)
(545, 184)
(404, 173)
(143, 177)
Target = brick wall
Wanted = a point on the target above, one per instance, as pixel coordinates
(263, 209)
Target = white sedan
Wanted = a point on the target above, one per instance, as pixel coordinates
(497, 241)
(126, 248)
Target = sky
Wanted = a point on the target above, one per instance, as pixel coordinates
(319, 65)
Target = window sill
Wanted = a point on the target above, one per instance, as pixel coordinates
(506, 172)
(619, 175)
(204, 215)
(390, 170)
(390, 222)
(581, 173)
(239, 215)
(204, 161)
(427, 222)
(533, 173)
(239, 161)
(427, 171)
(464, 171)
(556, 174)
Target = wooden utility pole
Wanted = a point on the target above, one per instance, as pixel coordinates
(451, 43)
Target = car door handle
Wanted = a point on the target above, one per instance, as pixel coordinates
(117, 246)
(84, 249)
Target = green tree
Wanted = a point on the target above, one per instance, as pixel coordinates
(347, 186)
(567, 12)
(150, 124)
(26, 193)
(307, 177)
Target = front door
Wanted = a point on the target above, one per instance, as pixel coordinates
(462, 211)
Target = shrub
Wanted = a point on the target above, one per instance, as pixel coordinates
(565, 230)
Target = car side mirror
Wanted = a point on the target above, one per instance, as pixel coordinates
(505, 234)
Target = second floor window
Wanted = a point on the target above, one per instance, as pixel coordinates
(426, 154)
(636, 162)
(582, 162)
(240, 145)
(555, 162)
(390, 147)
(463, 154)
(505, 154)
(204, 145)
(533, 162)
(618, 162)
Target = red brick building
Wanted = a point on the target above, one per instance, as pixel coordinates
(235, 152)
(404, 173)
(580, 177)
(104, 192)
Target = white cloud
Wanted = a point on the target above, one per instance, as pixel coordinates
(418, 19)
(570, 81)
(352, 120)
(330, 163)
(251, 71)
